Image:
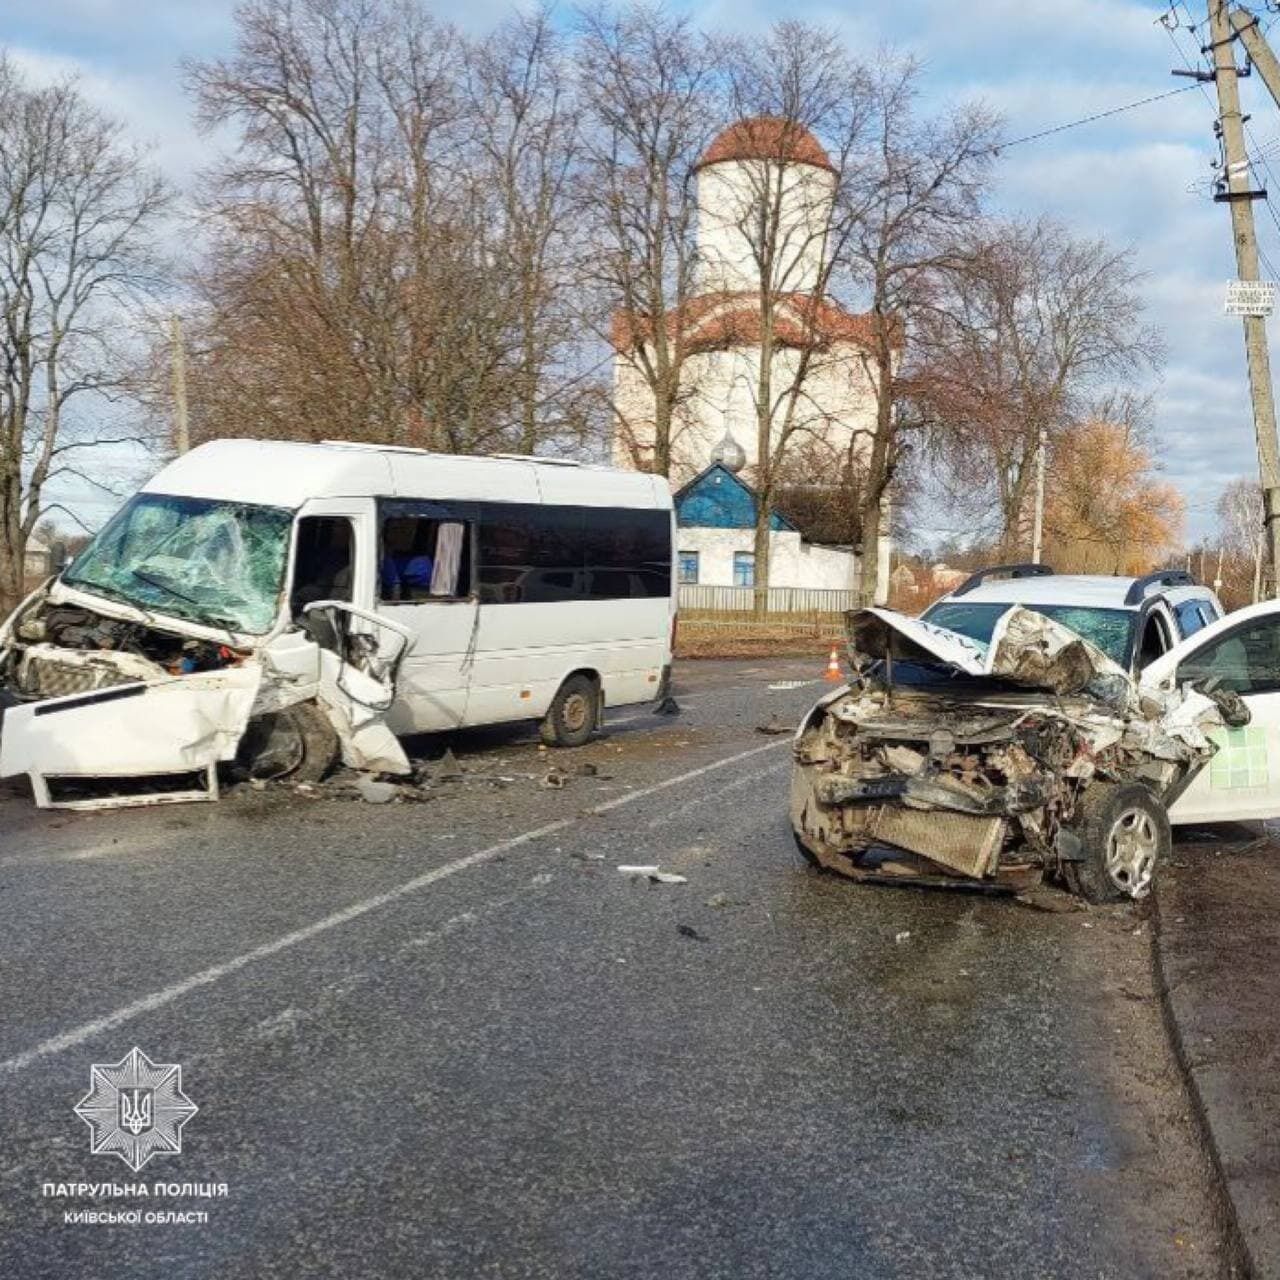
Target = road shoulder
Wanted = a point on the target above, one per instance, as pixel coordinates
(1218, 958)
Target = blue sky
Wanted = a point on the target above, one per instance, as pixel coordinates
(1141, 178)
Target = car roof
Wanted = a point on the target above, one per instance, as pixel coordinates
(1092, 590)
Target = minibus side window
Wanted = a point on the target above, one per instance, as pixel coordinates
(324, 560)
(547, 554)
(423, 557)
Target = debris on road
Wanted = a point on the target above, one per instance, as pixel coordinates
(447, 768)
(903, 935)
(654, 874)
(688, 931)
(771, 727)
(375, 792)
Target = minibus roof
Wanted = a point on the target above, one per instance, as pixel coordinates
(281, 473)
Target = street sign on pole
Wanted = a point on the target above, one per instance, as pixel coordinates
(1250, 297)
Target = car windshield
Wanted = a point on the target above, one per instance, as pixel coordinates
(1109, 629)
(217, 563)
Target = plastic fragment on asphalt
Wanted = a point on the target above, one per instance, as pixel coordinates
(903, 935)
(654, 874)
(448, 768)
(374, 792)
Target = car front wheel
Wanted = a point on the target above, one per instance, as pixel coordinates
(1124, 831)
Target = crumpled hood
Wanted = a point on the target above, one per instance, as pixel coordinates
(1026, 649)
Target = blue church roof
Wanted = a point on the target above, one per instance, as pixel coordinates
(717, 499)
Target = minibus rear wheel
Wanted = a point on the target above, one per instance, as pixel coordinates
(574, 713)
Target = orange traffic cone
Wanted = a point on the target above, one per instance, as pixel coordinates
(833, 672)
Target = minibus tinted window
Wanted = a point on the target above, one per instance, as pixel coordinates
(541, 554)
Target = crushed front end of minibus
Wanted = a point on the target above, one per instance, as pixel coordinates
(138, 677)
(951, 762)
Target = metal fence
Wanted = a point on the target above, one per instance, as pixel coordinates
(809, 602)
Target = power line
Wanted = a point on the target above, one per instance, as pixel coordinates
(1099, 115)
(1259, 156)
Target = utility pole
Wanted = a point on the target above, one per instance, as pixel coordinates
(1238, 195)
(178, 364)
(1037, 516)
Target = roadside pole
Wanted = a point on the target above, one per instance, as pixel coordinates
(178, 356)
(1037, 517)
(1239, 196)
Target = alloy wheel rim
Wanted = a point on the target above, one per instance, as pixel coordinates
(1131, 852)
(575, 712)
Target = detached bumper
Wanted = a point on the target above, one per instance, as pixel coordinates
(130, 744)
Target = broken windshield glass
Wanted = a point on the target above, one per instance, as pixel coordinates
(219, 563)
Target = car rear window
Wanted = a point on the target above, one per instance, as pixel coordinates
(1109, 629)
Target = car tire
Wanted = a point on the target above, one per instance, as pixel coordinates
(1125, 835)
(571, 719)
(805, 852)
(297, 743)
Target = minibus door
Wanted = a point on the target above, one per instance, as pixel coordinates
(424, 582)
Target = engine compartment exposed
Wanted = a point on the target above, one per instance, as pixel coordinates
(945, 761)
(60, 649)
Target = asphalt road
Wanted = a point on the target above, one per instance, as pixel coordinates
(449, 1039)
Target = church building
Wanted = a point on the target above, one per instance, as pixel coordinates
(715, 434)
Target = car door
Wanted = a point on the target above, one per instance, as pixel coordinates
(1242, 653)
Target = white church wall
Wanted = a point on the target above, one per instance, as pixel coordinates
(838, 405)
(793, 562)
(729, 196)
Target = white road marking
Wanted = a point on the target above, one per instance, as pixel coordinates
(215, 973)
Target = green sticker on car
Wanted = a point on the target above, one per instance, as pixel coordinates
(1240, 761)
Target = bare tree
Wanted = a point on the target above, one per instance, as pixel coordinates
(920, 182)
(527, 139)
(1025, 339)
(79, 210)
(1241, 528)
(649, 89)
(389, 231)
(801, 108)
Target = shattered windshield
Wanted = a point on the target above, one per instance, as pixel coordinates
(1108, 629)
(214, 562)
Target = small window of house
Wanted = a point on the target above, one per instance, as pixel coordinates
(744, 569)
(688, 570)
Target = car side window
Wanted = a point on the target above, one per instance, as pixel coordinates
(1191, 617)
(1246, 660)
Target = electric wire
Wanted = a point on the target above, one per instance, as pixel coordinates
(1098, 115)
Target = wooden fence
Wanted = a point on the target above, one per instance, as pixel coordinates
(711, 604)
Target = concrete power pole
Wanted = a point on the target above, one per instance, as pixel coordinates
(1037, 515)
(178, 359)
(1239, 197)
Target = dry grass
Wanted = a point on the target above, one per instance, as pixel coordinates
(731, 636)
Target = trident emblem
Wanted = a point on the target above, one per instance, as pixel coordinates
(135, 1110)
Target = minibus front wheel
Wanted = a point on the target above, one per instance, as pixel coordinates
(574, 714)
(297, 743)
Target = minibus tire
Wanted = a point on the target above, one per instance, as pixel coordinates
(571, 719)
(297, 743)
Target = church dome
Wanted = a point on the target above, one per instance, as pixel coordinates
(729, 454)
(766, 138)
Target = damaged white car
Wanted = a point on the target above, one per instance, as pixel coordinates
(951, 761)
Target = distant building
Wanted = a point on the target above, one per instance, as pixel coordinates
(716, 514)
(715, 426)
(40, 559)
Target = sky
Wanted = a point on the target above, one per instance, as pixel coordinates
(1141, 178)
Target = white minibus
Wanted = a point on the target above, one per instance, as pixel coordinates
(282, 602)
